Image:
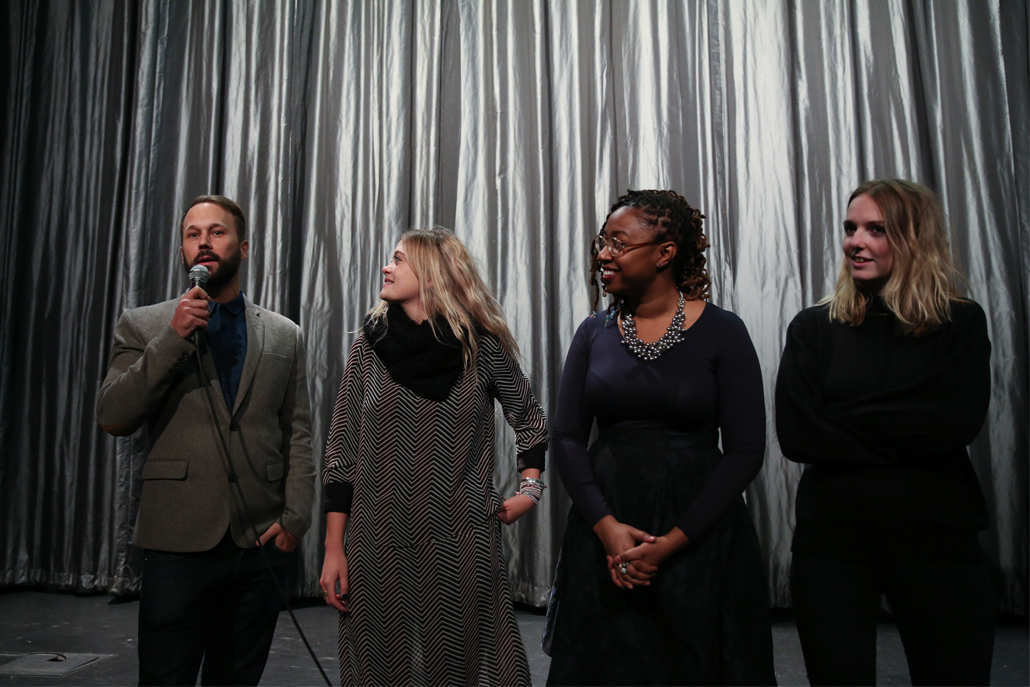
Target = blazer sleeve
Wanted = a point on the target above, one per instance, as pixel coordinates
(341, 450)
(140, 373)
(295, 422)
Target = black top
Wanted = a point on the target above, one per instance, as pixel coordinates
(884, 420)
(710, 380)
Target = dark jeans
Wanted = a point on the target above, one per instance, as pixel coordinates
(944, 614)
(219, 606)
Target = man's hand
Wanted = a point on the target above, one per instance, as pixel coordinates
(191, 313)
(283, 539)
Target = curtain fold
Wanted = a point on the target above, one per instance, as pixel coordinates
(338, 125)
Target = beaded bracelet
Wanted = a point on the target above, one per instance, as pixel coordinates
(532, 488)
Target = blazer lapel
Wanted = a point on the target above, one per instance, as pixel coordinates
(255, 346)
(214, 386)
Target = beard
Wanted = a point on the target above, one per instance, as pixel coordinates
(223, 272)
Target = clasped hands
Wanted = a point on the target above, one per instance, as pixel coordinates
(634, 551)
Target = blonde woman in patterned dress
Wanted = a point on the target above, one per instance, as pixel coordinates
(420, 579)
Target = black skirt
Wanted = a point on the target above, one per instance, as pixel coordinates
(704, 620)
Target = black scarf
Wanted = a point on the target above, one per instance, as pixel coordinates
(413, 355)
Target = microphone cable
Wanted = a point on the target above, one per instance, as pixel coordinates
(243, 512)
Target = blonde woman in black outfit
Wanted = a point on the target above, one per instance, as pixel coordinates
(881, 388)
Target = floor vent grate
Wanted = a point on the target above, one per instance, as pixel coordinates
(52, 664)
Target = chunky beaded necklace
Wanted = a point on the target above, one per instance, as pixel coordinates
(673, 335)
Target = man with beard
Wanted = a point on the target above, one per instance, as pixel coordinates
(221, 386)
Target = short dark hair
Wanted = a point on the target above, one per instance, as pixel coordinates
(227, 204)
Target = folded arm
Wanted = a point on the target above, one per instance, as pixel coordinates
(806, 432)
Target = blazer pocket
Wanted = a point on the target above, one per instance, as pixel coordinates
(275, 471)
(165, 469)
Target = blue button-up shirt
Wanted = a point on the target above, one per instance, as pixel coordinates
(227, 338)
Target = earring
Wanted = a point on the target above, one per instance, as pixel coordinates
(661, 264)
(604, 291)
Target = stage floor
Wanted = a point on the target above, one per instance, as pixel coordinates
(103, 634)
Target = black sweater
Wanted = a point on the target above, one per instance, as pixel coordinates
(883, 420)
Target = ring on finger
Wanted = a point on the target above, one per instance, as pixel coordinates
(624, 568)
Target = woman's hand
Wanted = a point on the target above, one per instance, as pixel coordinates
(642, 561)
(334, 579)
(618, 537)
(513, 508)
(334, 566)
(637, 573)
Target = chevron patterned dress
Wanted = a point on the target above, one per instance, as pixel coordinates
(428, 595)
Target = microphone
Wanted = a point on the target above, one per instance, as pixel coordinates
(199, 275)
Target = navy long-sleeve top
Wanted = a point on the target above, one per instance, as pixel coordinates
(883, 420)
(709, 380)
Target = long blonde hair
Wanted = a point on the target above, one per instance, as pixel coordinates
(450, 288)
(924, 280)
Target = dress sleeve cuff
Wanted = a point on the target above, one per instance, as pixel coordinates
(338, 496)
(689, 528)
(531, 458)
(595, 517)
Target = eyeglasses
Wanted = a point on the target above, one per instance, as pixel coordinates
(616, 247)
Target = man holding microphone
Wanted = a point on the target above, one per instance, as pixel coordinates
(221, 386)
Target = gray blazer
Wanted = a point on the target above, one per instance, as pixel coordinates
(187, 502)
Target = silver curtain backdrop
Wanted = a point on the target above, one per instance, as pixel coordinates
(338, 125)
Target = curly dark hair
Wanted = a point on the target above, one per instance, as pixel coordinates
(672, 217)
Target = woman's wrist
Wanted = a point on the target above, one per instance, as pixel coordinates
(531, 486)
(335, 528)
(602, 525)
(672, 541)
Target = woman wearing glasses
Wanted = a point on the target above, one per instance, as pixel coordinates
(660, 579)
(420, 584)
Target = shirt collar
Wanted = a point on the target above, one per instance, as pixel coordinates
(235, 306)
